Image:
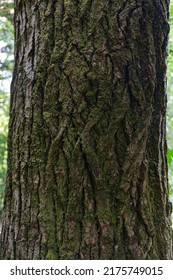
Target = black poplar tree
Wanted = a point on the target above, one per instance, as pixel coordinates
(87, 170)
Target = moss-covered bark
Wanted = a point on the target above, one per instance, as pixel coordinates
(87, 171)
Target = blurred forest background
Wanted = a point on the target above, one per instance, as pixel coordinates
(6, 68)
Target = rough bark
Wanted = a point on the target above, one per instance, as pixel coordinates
(87, 170)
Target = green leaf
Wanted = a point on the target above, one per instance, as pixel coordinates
(170, 156)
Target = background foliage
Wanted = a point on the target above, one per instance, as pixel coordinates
(6, 66)
(170, 103)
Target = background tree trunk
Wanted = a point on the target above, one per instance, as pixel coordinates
(87, 170)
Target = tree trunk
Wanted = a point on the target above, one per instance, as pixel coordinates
(87, 170)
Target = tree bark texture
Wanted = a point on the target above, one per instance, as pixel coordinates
(87, 170)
